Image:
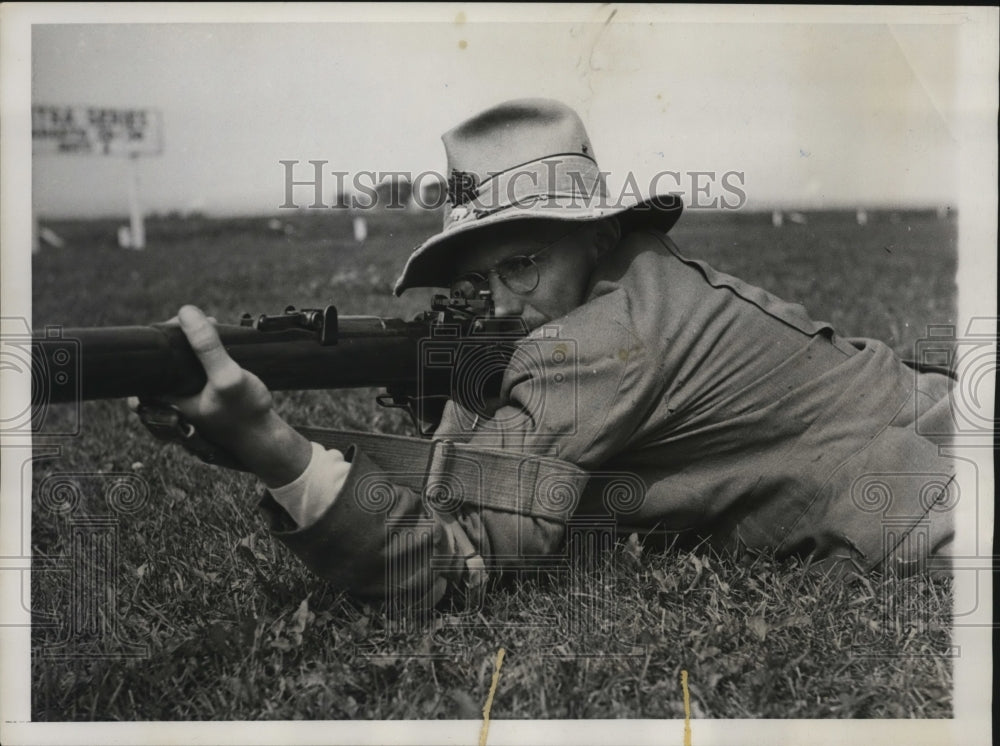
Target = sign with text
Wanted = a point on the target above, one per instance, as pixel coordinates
(96, 130)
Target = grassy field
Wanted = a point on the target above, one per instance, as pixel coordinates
(221, 623)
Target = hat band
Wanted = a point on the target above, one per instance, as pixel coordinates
(569, 176)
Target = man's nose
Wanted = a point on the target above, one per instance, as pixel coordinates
(506, 302)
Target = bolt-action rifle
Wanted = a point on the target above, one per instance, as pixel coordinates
(458, 349)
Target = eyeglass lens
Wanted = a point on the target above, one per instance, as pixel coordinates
(519, 273)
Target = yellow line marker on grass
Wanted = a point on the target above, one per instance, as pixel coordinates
(489, 700)
(687, 708)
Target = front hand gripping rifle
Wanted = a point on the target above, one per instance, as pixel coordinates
(420, 363)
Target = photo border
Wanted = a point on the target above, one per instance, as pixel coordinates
(977, 203)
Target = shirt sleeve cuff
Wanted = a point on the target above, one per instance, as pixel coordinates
(316, 489)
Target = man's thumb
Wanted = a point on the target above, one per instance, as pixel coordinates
(204, 340)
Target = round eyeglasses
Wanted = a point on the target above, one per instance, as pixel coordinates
(518, 273)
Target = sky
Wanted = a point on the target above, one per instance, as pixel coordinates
(809, 114)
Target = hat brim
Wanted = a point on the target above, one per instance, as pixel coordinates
(430, 263)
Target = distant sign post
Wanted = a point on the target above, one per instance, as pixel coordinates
(97, 130)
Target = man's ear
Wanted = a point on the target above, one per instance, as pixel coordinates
(607, 235)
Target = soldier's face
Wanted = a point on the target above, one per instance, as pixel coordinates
(538, 270)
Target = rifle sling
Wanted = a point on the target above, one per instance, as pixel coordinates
(450, 474)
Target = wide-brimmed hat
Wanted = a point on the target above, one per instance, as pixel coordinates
(523, 159)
